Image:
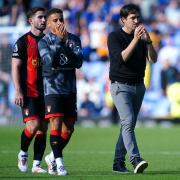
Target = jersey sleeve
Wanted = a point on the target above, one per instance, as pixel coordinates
(114, 47)
(45, 53)
(48, 52)
(19, 49)
(74, 50)
(49, 55)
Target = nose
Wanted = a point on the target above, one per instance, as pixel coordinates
(59, 22)
(44, 19)
(136, 20)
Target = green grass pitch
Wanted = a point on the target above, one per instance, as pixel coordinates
(90, 152)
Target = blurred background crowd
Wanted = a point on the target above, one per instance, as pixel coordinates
(92, 20)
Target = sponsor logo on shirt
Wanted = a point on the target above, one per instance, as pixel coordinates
(36, 62)
(63, 59)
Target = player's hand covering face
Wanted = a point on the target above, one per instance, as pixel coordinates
(56, 25)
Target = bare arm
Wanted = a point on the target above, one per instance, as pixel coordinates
(15, 71)
(126, 53)
(151, 52)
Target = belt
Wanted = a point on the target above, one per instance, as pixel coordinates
(128, 83)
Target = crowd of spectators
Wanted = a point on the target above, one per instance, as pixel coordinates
(92, 20)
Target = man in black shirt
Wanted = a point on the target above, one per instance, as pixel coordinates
(129, 48)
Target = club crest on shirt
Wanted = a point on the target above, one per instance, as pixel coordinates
(48, 108)
(26, 112)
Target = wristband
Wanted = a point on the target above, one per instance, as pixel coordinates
(148, 42)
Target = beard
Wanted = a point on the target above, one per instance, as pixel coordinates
(41, 27)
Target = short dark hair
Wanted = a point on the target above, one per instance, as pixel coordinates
(53, 11)
(34, 10)
(129, 9)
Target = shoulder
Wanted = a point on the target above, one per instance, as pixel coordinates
(115, 34)
(19, 48)
(112, 36)
(22, 40)
(44, 40)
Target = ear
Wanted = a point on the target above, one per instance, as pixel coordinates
(47, 23)
(122, 20)
(30, 20)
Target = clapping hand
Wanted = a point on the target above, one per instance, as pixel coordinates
(141, 33)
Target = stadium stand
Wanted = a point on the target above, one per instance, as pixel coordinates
(92, 20)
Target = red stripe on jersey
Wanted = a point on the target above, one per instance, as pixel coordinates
(32, 64)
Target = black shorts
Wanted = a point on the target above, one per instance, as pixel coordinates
(64, 106)
(33, 109)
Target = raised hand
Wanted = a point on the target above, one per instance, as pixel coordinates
(139, 32)
(146, 36)
(61, 31)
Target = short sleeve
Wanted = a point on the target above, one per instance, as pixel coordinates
(19, 49)
(114, 46)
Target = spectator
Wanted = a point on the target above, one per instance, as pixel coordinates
(92, 20)
(5, 56)
(18, 16)
(169, 75)
(4, 13)
(88, 108)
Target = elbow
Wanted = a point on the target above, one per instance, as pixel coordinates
(124, 59)
(153, 60)
(124, 56)
(79, 61)
(78, 66)
(46, 60)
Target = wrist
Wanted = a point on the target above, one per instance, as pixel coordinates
(136, 40)
(149, 42)
(18, 90)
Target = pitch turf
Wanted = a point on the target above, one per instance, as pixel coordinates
(90, 152)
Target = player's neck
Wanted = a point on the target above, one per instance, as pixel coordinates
(127, 30)
(36, 32)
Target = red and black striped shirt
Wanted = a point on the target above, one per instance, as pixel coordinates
(26, 50)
